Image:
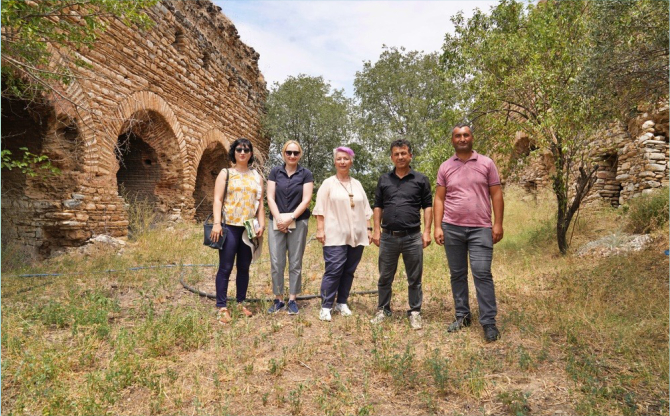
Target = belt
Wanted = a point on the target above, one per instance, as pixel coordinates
(401, 233)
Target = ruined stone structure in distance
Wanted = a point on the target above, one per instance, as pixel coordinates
(150, 118)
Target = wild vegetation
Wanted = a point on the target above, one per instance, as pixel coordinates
(580, 335)
(558, 71)
(90, 332)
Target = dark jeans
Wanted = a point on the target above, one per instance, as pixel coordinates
(341, 263)
(390, 248)
(476, 243)
(233, 247)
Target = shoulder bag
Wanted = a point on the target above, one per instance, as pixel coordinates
(208, 226)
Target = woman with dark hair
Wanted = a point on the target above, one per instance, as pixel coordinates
(290, 188)
(242, 203)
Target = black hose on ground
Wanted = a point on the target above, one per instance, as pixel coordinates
(181, 280)
(300, 297)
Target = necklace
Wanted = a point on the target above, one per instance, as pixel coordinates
(349, 191)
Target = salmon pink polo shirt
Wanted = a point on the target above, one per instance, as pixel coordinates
(467, 202)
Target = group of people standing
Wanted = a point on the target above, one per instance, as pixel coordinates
(460, 214)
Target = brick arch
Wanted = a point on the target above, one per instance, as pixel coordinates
(143, 102)
(210, 157)
(212, 136)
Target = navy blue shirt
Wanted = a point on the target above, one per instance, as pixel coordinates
(288, 190)
(402, 199)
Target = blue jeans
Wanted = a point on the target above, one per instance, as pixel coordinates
(477, 244)
(233, 247)
(341, 263)
(390, 248)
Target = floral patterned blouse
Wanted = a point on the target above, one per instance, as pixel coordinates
(244, 194)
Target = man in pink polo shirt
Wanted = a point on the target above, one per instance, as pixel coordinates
(467, 185)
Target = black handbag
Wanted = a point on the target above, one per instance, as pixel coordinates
(208, 226)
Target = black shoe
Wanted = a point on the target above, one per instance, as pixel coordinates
(460, 322)
(491, 332)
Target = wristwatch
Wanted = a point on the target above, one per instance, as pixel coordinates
(292, 217)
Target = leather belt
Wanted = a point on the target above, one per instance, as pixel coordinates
(402, 233)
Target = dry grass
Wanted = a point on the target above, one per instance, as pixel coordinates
(579, 335)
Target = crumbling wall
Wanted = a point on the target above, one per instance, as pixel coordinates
(632, 159)
(138, 119)
(643, 162)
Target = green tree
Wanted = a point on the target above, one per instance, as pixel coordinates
(518, 69)
(403, 96)
(628, 64)
(307, 110)
(40, 39)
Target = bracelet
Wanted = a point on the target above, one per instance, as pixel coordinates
(369, 228)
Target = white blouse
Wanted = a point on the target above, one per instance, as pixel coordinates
(343, 224)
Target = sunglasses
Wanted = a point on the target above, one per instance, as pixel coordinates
(242, 150)
(293, 153)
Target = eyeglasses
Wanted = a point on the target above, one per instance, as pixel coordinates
(293, 153)
(242, 150)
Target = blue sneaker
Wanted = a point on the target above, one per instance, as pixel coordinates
(276, 306)
(292, 307)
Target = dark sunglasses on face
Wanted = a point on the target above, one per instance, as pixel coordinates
(242, 150)
(293, 153)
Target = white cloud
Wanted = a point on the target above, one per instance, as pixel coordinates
(333, 38)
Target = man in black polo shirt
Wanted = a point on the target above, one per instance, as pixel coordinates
(399, 198)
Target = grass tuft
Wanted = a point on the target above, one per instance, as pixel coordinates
(648, 212)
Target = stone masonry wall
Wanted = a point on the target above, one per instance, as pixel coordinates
(632, 159)
(149, 106)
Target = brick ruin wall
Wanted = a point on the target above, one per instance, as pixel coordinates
(632, 159)
(150, 117)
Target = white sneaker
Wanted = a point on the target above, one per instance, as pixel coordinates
(343, 309)
(379, 317)
(324, 315)
(415, 320)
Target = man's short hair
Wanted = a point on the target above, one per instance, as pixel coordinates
(401, 143)
(460, 126)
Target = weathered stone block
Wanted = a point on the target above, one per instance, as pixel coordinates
(651, 184)
(648, 124)
(71, 203)
(655, 167)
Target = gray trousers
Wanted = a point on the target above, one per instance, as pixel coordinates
(411, 249)
(477, 244)
(280, 244)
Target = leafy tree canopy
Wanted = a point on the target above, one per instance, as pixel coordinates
(40, 38)
(517, 70)
(403, 96)
(307, 110)
(628, 62)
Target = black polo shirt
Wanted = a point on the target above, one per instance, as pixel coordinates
(288, 190)
(402, 199)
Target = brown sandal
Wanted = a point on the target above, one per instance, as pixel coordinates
(223, 316)
(247, 312)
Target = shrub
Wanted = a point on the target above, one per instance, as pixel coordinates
(648, 212)
(141, 213)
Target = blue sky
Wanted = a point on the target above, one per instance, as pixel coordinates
(333, 38)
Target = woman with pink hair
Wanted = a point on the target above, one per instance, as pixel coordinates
(342, 215)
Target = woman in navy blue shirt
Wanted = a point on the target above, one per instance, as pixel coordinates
(289, 191)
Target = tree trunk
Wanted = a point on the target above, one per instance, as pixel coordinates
(567, 209)
(561, 183)
(562, 220)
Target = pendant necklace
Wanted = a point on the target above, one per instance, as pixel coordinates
(349, 191)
